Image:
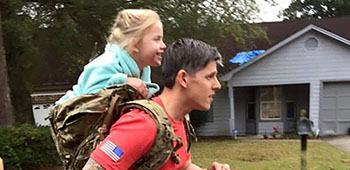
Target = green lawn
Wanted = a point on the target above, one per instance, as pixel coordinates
(271, 155)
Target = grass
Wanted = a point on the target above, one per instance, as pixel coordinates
(271, 155)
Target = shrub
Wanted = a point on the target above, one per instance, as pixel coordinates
(27, 147)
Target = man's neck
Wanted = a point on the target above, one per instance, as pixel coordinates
(174, 103)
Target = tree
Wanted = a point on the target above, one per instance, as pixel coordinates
(18, 32)
(317, 9)
(5, 101)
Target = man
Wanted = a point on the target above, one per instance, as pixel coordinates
(189, 71)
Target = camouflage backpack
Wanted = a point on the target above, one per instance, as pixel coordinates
(80, 124)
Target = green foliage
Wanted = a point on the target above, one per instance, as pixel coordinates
(210, 21)
(27, 147)
(317, 9)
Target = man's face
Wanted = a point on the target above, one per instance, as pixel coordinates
(202, 86)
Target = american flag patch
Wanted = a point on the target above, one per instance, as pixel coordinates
(112, 150)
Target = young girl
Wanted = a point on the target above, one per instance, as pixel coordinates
(135, 44)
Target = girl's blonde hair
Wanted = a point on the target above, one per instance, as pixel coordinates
(131, 23)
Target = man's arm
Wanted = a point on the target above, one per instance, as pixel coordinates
(91, 164)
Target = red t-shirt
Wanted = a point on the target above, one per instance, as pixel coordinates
(131, 137)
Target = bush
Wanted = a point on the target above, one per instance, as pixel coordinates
(27, 147)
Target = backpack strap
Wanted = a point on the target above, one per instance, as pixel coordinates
(118, 94)
(162, 148)
(190, 132)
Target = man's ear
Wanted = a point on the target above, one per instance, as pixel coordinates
(182, 78)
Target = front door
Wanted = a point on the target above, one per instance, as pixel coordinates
(251, 118)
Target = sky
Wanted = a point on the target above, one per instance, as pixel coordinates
(270, 13)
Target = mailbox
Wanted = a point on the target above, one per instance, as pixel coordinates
(304, 126)
(234, 133)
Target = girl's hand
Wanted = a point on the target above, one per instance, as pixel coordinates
(138, 84)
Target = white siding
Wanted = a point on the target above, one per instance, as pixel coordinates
(221, 116)
(315, 90)
(293, 64)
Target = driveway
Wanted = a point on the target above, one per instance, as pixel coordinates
(340, 142)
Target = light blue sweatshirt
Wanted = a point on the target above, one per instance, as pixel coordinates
(110, 68)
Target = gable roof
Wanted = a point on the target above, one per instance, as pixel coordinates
(308, 28)
(278, 31)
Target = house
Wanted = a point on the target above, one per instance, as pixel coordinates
(309, 69)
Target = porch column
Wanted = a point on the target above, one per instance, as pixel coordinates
(314, 112)
(232, 108)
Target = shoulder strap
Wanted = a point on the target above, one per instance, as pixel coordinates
(190, 132)
(162, 148)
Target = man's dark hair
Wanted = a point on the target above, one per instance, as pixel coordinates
(188, 54)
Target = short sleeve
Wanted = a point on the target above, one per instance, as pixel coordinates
(130, 138)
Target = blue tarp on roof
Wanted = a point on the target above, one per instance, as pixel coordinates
(243, 57)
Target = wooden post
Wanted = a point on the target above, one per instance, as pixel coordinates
(303, 151)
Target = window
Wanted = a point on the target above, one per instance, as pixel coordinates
(290, 109)
(251, 111)
(311, 44)
(270, 99)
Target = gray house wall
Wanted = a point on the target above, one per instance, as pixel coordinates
(221, 114)
(293, 64)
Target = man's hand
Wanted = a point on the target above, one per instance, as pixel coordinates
(219, 166)
(214, 166)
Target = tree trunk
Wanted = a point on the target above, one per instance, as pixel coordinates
(6, 115)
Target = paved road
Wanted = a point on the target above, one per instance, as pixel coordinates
(340, 142)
